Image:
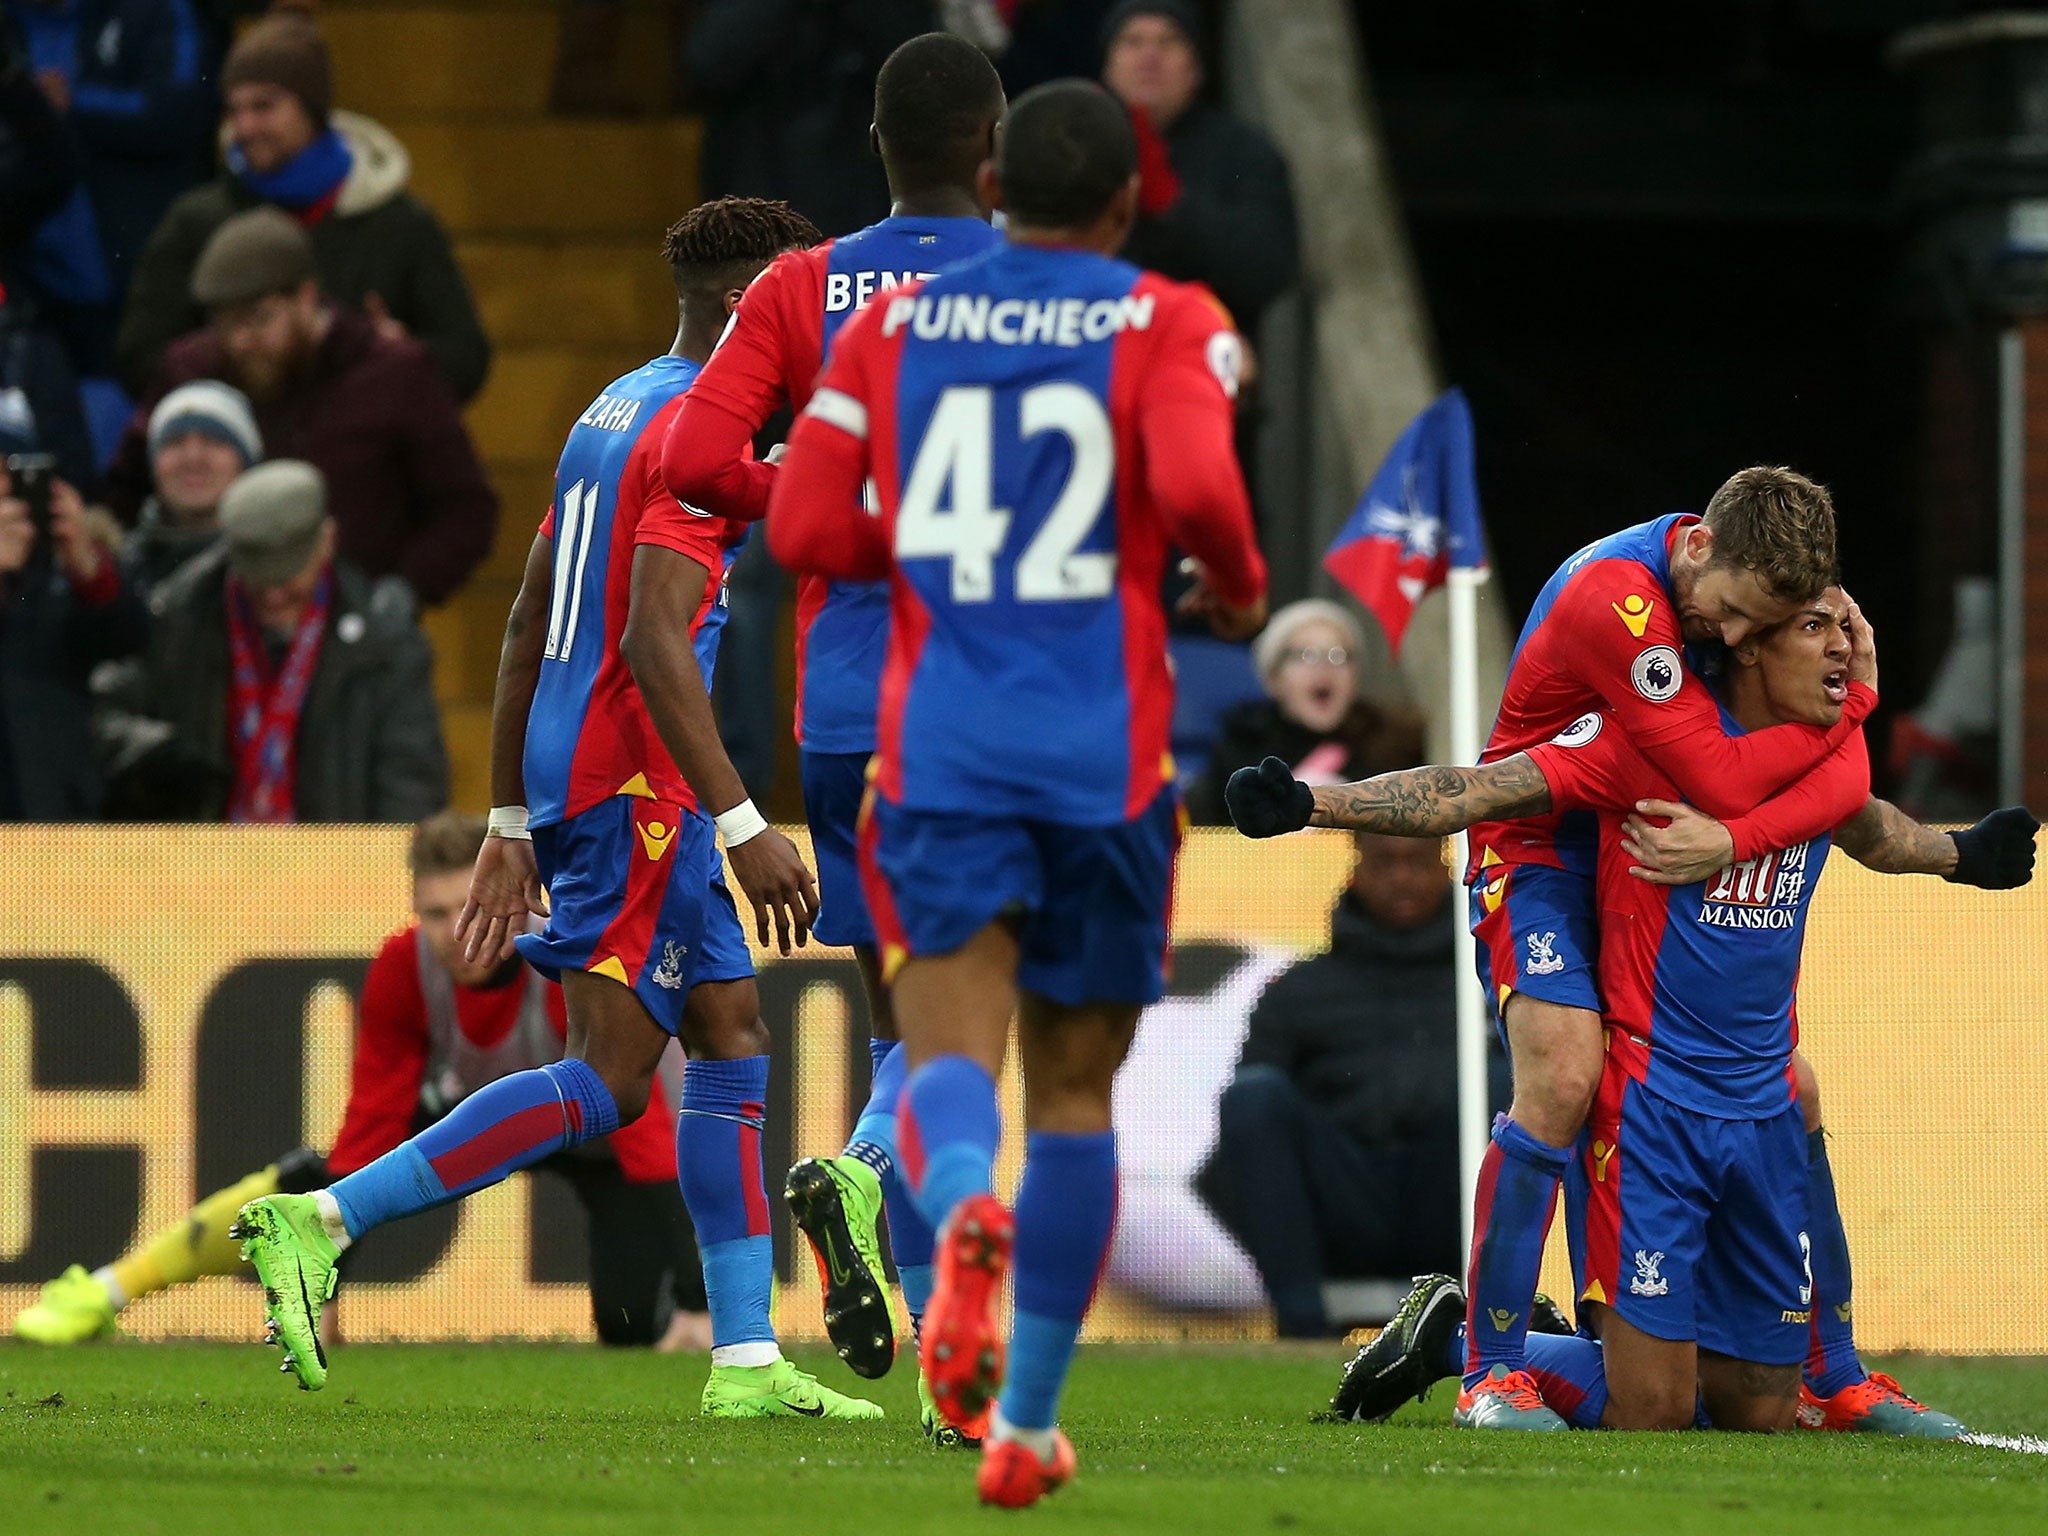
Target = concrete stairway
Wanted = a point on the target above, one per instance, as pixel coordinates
(558, 223)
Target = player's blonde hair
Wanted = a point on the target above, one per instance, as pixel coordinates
(1781, 525)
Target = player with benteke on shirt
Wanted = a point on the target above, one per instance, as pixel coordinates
(1040, 424)
(1698, 1093)
(937, 102)
(609, 775)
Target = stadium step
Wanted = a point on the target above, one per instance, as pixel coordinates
(557, 222)
(559, 176)
(481, 58)
(572, 292)
(536, 393)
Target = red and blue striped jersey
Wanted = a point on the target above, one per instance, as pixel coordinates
(1604, 634)
(771, 353)
(1039, 425)
(589, 736)
(1699, 981)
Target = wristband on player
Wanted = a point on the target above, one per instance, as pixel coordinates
(508, 821)
(740, 824)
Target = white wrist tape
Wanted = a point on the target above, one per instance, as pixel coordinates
(740, 824)
(509, 821)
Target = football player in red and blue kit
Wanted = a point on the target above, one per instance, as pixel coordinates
(1039, 425)
(1609, 631)
(608, 776)
(1691, 1210)
(937, 101)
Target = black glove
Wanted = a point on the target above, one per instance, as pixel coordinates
(1268, 800)
(1997, 854)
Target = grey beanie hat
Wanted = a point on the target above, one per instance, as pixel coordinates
(207, 406)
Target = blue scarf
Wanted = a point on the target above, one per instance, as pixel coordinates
(309, 177)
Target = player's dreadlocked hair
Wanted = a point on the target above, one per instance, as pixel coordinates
(1067, 150)
(720, 245)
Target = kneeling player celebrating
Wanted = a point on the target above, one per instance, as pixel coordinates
(1696, 1167)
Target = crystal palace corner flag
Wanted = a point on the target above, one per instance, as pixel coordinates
(1418, 518)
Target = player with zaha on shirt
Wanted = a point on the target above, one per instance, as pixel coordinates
(937, 102)
(609, 778)
(1696, 1185)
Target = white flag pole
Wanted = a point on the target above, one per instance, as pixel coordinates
(1474, 1122)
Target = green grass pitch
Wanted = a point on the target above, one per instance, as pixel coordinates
(500, 1440)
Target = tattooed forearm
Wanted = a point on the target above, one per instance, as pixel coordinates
(1434, 801)
(1884, 838)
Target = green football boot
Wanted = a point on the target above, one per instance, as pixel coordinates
(936, 1429)
(73, 1308)
(286, 1240)
(837, 1201)
(778, 1391)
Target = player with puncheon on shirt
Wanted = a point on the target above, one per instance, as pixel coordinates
(1040, 425)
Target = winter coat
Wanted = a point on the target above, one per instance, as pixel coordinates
(140, 106)
(373, 415)
(1233, 226)
(378, 239)
(39, 160)
(1371, 740)
(51, 637)
(1369, 1029)
(369, 742)
(156, 547)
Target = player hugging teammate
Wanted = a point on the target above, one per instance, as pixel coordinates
(1651, 1020)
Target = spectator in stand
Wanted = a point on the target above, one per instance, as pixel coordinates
(38, 174)
(343, 178)
(281, 684)
(128, 78)
(39, 163)
(1313, 716)
(1337, 1152)
(368, 409)
(432, 1028)
(788, 88)
(64, 609)
(201, 436)
(1213, 203)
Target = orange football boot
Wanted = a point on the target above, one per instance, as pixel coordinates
(962, 1346)
(1013, 1477)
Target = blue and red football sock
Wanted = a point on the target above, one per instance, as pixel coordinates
(1066, 1212)
(1831, 1359)
(874, 1142)
(718, 1163)
(1512, 1208)
(947, 1126)
(1572, 1375)
(501, 1128)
